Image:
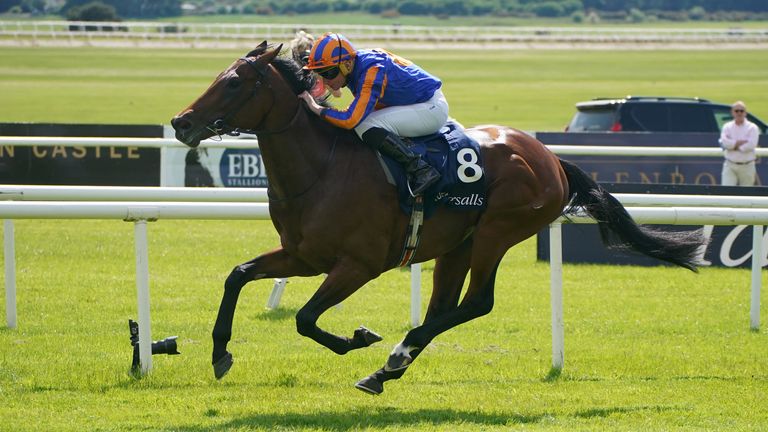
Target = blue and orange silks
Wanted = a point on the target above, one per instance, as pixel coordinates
(380, 79)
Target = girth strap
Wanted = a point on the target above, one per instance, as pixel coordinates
(413, 233)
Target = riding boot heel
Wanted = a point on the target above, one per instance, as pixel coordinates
(423, 177)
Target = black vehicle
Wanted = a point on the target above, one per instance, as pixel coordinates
(653, 114)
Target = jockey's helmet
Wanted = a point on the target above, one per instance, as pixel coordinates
(330, 50)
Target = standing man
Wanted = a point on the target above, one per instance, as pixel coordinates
(739, 141)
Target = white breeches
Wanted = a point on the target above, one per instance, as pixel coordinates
(409, 120)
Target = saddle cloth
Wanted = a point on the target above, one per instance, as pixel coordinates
(457, 157)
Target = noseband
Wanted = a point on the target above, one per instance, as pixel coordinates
(220, 126)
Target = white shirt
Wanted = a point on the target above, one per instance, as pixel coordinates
(732, 133)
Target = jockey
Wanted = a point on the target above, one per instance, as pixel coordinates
(301, 45)
(393, 98)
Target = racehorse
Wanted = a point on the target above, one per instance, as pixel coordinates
(336, 213)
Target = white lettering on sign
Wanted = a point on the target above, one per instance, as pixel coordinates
(244, 165)
(725, 249)
(251, 166)
(235, 165)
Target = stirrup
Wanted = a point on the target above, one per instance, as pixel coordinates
(423, 181)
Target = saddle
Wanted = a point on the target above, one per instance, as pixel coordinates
(457, 157)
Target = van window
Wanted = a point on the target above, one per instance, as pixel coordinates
(691, 118)
(645, 117)
(722, 116)
(592, 120)
(760, 125)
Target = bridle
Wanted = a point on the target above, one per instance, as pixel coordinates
(220, 126)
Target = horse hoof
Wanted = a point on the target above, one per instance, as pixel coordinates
(370, 385)
(223, 365)
(368, 337)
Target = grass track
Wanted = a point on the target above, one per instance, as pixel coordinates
(646, 348)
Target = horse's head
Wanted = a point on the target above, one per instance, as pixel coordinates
(243, 97)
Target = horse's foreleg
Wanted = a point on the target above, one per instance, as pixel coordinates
(343, 280)
(273, 264)
(447, 281)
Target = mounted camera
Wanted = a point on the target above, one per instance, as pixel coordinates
(165, 346)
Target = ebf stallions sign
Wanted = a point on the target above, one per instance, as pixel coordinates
(242, 168)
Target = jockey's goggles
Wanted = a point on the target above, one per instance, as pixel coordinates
(329, 73)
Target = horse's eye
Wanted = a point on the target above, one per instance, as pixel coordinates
(233, 83)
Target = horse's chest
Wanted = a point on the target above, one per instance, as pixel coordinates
(300, 228)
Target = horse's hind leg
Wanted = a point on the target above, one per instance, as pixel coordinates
(448, 278)
(447, 281)
(273, 264)
(491, 240)
(343, 280)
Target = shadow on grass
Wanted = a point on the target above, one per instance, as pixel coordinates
(605, 412)
(553, 375)
(364, 419)
(279, 314)
(379, 418)
(8, 330)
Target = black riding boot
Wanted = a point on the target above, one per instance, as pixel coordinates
(421, 174)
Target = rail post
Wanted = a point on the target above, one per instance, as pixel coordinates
(277, 293)
(140, 216)
(556, 294)
(9, 250)
(142, 291)
(415, 294)
(757, 265)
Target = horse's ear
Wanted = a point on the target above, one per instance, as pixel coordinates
(271, 54)
(258, 50)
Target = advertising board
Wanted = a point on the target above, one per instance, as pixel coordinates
(80, 165)
(675, 170)
(213, 167)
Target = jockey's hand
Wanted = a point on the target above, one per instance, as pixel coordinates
(311, 103)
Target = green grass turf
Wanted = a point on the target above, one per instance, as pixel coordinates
(528, 89)
(654, 349)
(646, 348)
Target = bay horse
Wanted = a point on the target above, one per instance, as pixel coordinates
(336, 213)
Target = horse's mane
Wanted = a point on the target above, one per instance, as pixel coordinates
(296, 77)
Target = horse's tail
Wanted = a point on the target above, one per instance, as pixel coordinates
(619, 230)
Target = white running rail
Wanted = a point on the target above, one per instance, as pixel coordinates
(148, 32)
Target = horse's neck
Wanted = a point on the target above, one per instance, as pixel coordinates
(297, 158)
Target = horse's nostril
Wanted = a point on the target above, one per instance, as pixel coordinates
(180, 123)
